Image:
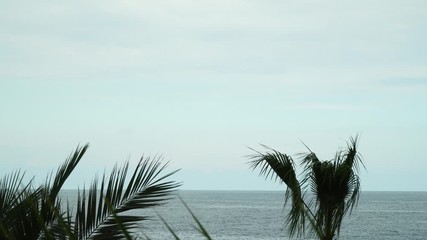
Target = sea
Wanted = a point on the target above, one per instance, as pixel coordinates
(259, 215)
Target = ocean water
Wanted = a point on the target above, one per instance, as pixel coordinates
(259, 215)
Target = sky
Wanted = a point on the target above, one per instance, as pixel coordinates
(199, 82)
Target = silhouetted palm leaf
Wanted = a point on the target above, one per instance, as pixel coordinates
(202, 230)
(16, 206)
(30, 213)
(169, 228)
(37, 213)
(199, 226)
(281, 166)
(50, 205)
(334, 184)
(99, 210)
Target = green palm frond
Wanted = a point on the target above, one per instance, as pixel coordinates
(99, 210)
(199, 226)
(11, 191)
(61, 227)
(16, 204)
(168, 227)
(335, 186)
(281, 167)
(30, 213)
(202, 230)
(352, 157)
(65, 170)
(101, 213)
(51, 213)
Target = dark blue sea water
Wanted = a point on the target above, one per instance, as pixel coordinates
(245, 215)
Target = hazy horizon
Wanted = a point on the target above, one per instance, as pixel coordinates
(201, 81)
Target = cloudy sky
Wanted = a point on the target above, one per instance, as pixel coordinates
(201, 81)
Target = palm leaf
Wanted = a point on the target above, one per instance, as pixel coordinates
(202, 230)
(16, 206)
(29, 213)
(99, 210)
(168, 227)
(334, 184)
(11, 190)
(281, 167)
(199, 226)
(50, 205)
(65, 170)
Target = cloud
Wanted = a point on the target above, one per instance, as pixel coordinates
(214, 73)
(416, 82)
(220, 37)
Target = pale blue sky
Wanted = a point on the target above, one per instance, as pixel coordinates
(199, 81)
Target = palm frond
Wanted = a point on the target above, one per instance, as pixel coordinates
(50, 214)
(65, 170)
(352, 157)
(61, 227)
(202, 230)
(281, 167)
(168, 227)
(24, 220)
(99, 210)
(20, 217)
(10, 194)
(334, 184)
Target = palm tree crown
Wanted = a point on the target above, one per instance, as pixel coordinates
(102, 212)
(334, 185)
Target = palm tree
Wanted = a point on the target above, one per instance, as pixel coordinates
(101, 213)
(334, 186)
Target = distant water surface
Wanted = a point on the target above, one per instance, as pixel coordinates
(247, 215)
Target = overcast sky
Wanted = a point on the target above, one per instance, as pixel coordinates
(200, 81)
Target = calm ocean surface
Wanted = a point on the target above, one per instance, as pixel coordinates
(245, 215)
